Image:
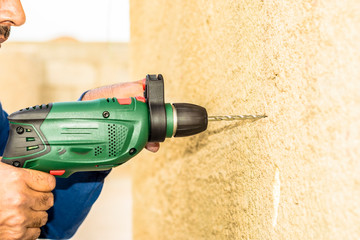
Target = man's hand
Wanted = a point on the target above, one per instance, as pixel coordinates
(25, 195)
(121, 90)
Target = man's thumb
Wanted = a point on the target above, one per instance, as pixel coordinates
(39, 181)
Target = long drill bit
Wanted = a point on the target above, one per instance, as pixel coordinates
(235, 117)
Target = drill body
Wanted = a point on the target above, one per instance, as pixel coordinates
(68, 137)
(63, 138)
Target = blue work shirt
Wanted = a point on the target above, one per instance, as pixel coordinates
(74, 196)
(4, 129)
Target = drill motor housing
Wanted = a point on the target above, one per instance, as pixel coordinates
(67, 137)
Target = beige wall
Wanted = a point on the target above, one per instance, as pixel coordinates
(294, 175)
(36, 73)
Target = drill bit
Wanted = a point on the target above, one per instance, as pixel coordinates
(235, 117)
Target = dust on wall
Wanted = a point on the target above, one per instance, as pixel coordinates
(294, 175)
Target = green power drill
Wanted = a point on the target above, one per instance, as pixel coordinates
(67, 137)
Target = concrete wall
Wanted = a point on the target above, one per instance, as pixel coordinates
(294, 175)
(36, 73)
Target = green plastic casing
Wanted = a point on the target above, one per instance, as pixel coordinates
(84, 136)
(67, 137)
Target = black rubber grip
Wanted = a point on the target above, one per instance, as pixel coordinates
(154, 94)
(25, 125)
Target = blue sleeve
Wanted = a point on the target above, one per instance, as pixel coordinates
(4, 130)
(74, 197)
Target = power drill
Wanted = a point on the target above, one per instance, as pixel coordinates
(67, 137)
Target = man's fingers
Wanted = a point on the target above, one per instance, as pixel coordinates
(32, 234)
(42, 201)
(40, 181)
(152, 146)
(38, 219)
(131, 89)
(120, 90)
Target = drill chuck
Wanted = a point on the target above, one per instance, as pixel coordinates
(190, 119)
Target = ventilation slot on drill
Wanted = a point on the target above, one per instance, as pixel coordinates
(37, 107)
(98, 151)
(111, 100)
(117, 136)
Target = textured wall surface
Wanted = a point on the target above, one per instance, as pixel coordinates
(294, 175)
